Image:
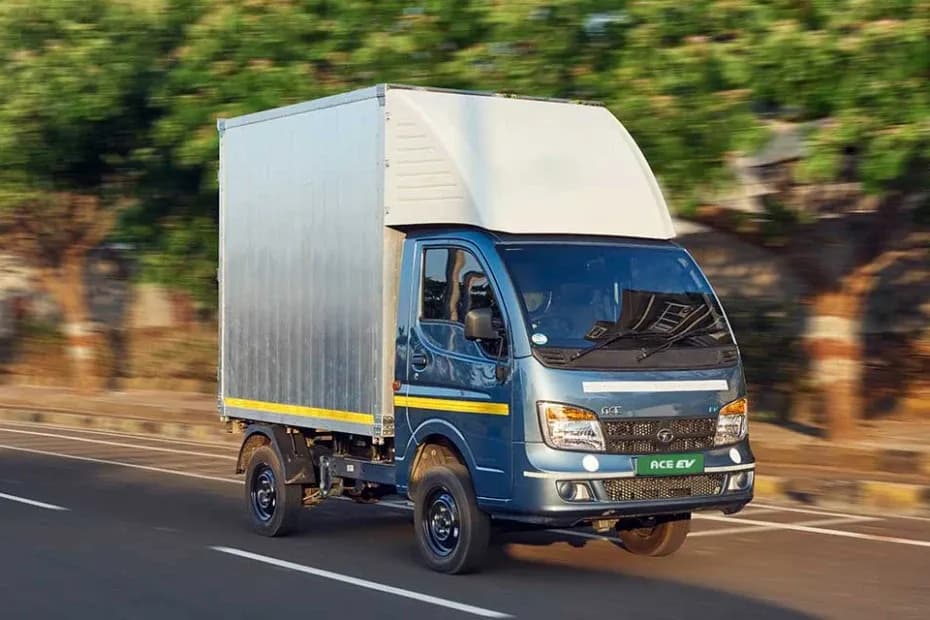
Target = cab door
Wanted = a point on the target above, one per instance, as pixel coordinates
(453, 384)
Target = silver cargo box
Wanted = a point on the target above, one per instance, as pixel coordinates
(308, 269)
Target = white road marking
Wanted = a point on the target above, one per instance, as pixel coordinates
(364, 583)
(160, 439)
(757, 511)
(721, 532)
(777, 507)
(818, 530)
(119, 444)
(806, 511)
(121, 464)
(751, 529)
(31, 502)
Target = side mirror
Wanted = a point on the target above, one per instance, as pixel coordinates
(479, 325)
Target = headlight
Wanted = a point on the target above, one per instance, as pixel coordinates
(732, 423)
(570, 428)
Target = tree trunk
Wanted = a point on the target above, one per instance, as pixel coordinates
(66, 284)
(55, 234)
(834, 343)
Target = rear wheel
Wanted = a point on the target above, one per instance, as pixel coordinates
(658, 540)
(274, 507)
(452, 533)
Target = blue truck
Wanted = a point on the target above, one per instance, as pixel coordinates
(474, 302)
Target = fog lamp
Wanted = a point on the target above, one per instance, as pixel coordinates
(740, 481)
(573, 491)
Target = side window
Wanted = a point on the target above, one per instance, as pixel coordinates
(453, 284)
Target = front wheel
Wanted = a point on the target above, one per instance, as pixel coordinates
(659, 540)
(274, 507)
(452, 533)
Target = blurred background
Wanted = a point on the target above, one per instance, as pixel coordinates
(792, 138)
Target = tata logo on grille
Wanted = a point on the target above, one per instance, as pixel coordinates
(665, 435)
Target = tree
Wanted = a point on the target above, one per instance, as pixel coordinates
(73, 105)
(849, 82)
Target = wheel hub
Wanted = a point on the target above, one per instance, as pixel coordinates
(442, 523)
(264, 495)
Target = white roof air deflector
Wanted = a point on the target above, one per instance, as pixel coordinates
(516, 166)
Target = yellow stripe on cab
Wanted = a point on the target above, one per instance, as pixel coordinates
(458, 406)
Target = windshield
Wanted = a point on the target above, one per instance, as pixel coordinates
(638, 297)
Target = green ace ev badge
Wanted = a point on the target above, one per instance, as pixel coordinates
(669, 464)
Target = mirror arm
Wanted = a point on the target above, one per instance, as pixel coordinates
(501, 370)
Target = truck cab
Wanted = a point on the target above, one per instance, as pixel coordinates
(580, 379)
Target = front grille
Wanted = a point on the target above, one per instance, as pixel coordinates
(635, 436)
(660, 487)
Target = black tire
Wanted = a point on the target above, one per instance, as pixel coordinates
(660, 540)
(274, 507)
(452, 533)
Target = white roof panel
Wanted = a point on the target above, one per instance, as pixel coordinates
(516, 165)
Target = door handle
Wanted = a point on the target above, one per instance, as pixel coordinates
(419, 361)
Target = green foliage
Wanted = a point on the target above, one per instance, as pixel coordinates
(184, 254)
(73, 91)
(97, 88)
(41, 332)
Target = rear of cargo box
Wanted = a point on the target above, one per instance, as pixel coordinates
(308, 271)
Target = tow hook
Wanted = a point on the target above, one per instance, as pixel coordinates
(603, 526)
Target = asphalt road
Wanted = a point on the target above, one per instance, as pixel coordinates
(105, 525)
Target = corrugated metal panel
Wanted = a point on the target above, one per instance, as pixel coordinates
(305, 302)
(393, 257)
(518, 166)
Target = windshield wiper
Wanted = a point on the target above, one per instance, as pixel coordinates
(668, 343)
(610, 340)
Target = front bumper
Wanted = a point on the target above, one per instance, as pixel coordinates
(536, 498)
